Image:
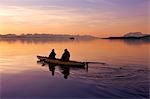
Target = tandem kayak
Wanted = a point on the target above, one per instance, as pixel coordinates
(60, 62)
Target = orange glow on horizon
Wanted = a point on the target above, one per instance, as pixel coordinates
(18, 20)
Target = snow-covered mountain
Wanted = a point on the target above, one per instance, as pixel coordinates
(135, 34)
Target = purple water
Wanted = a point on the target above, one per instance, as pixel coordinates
(125, 75)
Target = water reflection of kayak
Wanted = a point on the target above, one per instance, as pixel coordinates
(60, 62)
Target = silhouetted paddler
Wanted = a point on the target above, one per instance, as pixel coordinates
(52, 54)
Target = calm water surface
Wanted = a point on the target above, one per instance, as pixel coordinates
(125, 74)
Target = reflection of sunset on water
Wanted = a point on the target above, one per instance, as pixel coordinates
(18, 56)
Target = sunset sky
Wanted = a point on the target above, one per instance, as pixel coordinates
(92, 17)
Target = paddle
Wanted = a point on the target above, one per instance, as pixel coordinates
(87, 64)
(95, 63)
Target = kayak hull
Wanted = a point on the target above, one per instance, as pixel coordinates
(60, 62)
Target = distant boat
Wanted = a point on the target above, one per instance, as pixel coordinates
(60, 62)
(72, 38)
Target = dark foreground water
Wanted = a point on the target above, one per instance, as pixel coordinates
(125, 75)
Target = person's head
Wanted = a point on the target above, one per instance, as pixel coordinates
(53, 50)
(65, 50)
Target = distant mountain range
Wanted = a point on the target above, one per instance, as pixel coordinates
(47, 36)
(63, 37)
(133, 36)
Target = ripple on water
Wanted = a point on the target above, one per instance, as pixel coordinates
(116, 82)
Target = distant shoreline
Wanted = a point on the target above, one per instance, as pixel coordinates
(47, 36)
(132, 36)
(144, 37)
